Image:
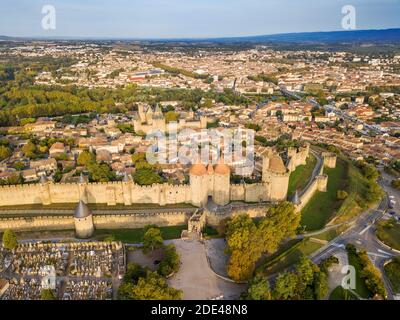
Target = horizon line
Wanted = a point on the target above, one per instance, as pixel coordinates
(109, 38)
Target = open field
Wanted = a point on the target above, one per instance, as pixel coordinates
(300, 177)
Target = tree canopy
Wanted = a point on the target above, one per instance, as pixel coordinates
(47, 294)
(5, 152)
(247, 241)
(9, 239)
(85, 158)
(152, 239)
(151, 286)
(145, 176)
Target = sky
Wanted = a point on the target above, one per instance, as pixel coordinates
(190, 18)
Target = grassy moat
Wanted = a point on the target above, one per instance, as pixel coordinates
(300, 177)
(325, 206)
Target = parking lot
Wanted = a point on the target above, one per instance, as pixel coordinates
(195, 277)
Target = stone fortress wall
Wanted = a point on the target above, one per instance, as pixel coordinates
(111, 221)
(127, 192)
(204, 183)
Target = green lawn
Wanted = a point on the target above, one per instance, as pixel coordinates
(300, 177)
(389, 235)
(323, 205)
(136, 235)
(341, 294)
(361, 287)
(289, 257)
(392, 271)
(356, 202)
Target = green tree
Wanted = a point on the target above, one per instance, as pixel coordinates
(321, 286)
(100, 172)
(9, 239)
(29, 150)
(47, 294)
(170, 262)
(146, 177)
(246, 241)
(305, 270)
(258, 289)
(341, 194)
(171, 116)
(5, 152)
(85, 158)
(374, 192)
(281, 222)
(19, 165)
(396, 184)
(242, 243)
(285, 286)
(152, 240)
(151, 287)
(134, 272)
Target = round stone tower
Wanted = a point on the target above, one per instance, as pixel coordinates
(198, 185)
(83, 218)
(222, 182)
(277, 177)
(329, 159)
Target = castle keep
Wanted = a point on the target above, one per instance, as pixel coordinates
(148, 121)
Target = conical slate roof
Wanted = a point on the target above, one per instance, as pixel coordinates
(82, 210)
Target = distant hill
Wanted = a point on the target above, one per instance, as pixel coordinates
(387, 35)
(329, 37)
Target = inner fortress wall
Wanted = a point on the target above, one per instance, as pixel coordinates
(111, 193)
(117, 221)
(214, 218)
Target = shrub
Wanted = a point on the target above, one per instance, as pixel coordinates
(341, 195)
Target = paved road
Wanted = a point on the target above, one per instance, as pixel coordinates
(362, 234)
(391, 192)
